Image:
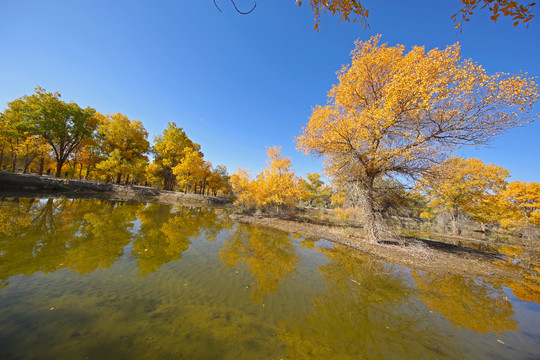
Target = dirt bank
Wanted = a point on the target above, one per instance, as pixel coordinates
(24, 185)
(411, 252)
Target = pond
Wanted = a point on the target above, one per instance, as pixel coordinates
(87, 279)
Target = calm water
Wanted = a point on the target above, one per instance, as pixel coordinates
(82, 279)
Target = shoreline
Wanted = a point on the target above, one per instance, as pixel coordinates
(29, 185)
(414, 253)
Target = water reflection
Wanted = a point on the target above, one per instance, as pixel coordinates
(270, 256)
(166, 232)
(368, 311)
(85, 235)
(479, 305)
(55, 234)
(527, 262)
(320, 302)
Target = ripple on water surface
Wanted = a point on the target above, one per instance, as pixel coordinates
(106, 280)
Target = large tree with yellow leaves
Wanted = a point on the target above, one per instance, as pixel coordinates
(397, 113)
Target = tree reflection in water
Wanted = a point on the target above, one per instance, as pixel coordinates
(79, 235)
(366, 312)
(166, 232)
(85, 235)
(270, 256)
(479, 305)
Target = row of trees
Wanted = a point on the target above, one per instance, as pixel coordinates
(41, 132)
(456, 187)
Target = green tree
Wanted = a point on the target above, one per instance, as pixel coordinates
(316, 189)
(63, 125)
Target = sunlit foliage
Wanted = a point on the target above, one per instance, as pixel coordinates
(276, 187)
(464, 185)
(354, 10)
(395, 113)
(124, 145)
(526, 198)
(170, 150)
(316, 189)
(62, 125)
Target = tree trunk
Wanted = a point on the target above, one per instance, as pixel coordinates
(363, 192)
(456, 229)
(118, 178)
(370, 219)
(169, 179)
(14, 162)
(27, 163)
(41, 165)
(59, 165)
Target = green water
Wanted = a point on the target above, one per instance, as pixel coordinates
(83, 279)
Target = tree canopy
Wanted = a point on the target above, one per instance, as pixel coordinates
(463, 185)
(63, 125)
(277, 186)
(394, 113)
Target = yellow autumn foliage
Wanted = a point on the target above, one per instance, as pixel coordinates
(354, 10)
(276, 186)
(395, 112)
(465, 185)
(526, 197)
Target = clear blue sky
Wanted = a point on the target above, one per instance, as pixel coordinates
(236, 83)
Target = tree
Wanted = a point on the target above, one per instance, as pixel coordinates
(316, 189)
(355, 10)
(524, 205)
(219, 180)
(170, 149)
(189, 170)
(463, 185)
(396, 113)
(123, 142)
(276, 187)
(32, 147)
(526, 197)
(63, 125)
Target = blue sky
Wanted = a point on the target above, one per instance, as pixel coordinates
(236, 83)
